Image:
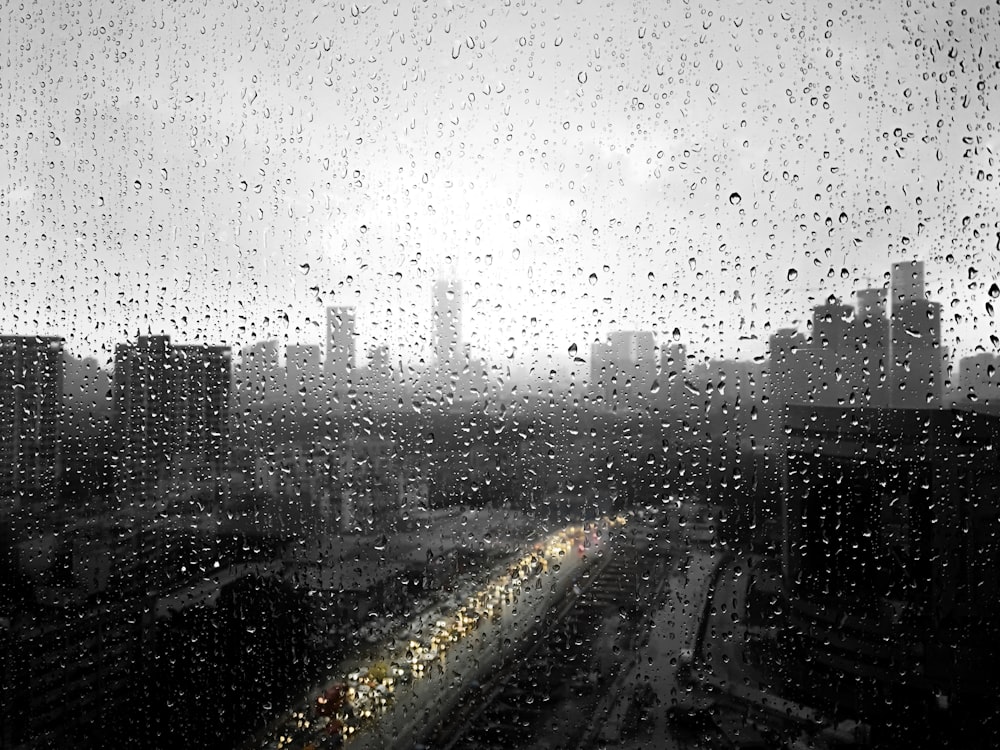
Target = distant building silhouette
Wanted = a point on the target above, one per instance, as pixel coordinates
(204, 374)
(340, 342)
(31, 409)
(303, 369)
(172, 416)
(788, 381)
(623, 369)
(915, 340)
(144, 399)
(857, 356)
(447, 314)
(871, 337)
(259, 370)
(979, 381)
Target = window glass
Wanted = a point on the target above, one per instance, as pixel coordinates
(499, 374)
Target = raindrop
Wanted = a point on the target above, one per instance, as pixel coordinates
(792, 274)
(572, 350)
(994, 291)
(582, 76)
(593, 279)
(735, 198)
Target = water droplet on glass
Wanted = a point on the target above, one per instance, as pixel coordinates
(735, 198)
(593, 279)
(792, 274)
(582, 76)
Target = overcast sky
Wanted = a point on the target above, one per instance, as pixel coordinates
(223, 171)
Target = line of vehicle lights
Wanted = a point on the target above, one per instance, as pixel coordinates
(364, 695)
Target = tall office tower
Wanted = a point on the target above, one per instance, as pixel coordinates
(979, 381)
(447, 322)
(31, 404)
(832, 326)
(302, 368)
(916, 354)
(601, 373)
(624, 369)
(203, 376)
(673, 365)
(258, 374)
(907, 281)
(788, 378)
(340, 337)
(871, 342)
(144, 399)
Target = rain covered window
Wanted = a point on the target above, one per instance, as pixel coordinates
(563, 374)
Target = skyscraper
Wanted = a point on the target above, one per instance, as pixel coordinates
(258, 373)
(447, 322)
(916, 354)
(31, 403)
(871, 337)
(979, 381)
(172, 411)
(144, 409)
(202, 407)
(832, 326)
(907, 282)
(624, 368)
(340, 335)
(302, 368)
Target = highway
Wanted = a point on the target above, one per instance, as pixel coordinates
(416, 678)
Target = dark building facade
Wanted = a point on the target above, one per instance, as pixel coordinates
(915, 339)
(172, 413)
(623, 369)
(447, 323)
(979, 381)
(890, 521)
(340, 342)
(31, 409)
(144, 404)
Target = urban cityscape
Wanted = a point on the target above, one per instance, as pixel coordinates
(575, 374)
(289, 517)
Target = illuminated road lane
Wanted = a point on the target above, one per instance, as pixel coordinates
(417, 679)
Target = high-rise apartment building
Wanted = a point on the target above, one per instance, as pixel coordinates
(623, 369)
(258, 373)
(979, 381)
(172, 408)
(144, 410)
(916, 354)
(31, 403)
(204, 374)
(871, 342)
(340, 341)
(302, 368)
(447, 322)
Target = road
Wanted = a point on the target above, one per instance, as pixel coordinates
(417, 678)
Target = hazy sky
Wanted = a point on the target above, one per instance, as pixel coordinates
(223, 171)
